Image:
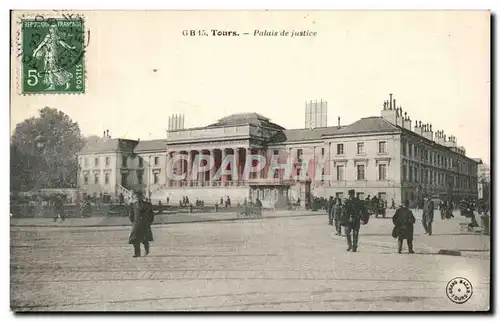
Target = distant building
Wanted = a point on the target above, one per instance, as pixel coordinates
(384, 156)
(484, 181)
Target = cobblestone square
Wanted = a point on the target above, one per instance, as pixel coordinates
(282, 264)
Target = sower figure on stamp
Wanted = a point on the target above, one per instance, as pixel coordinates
(141, 216)
(48, 50)
(403, 221)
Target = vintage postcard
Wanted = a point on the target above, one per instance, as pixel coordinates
(250, 161)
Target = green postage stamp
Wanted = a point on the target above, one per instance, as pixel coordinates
(53, 55)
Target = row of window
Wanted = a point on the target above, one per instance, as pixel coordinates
(436, 158)
(97, 176)
(360, 149)
(156, 161)
(416, 175)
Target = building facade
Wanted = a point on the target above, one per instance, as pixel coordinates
(384, 156)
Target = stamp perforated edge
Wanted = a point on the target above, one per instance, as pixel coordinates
(17, 47)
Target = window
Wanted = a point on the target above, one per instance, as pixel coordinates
(361, 148)
(299, 153)
(141, 162)
(124, 161)
(322, 152)
(85, 161)
(410, 174)
(382, 196)
(382, 172)
(340, 172)
(139, 177)
(276, 152)
(403, 145)
(86, 179)
(415, 151)
(361, 172)
(340, 149)
(107, 161)
(96, 161)
(96, 178)
(106, 178)
(360, 195)
(156, 178)
(382, 147)
(404, 173)
(339, 195)
(156, 160)
(410, 150)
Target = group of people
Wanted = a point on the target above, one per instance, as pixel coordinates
(350, 213)
(353, 212)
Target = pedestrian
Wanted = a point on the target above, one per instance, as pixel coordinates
(59, 208)
(442, 209)
(403, 221)
(141, 216)
(337, 215)
(428, 215)
(329, 210)
(352, 220)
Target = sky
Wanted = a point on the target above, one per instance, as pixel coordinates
(140, 69)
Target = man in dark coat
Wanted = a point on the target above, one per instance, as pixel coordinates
(428, 215)
(59, 208)
(352, 220)
(330, 210)
(141, 215)
(403, 221)
(337, 215)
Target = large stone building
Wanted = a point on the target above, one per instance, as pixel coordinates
(383, 155)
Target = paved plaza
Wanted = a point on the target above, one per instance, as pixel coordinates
(281, 264)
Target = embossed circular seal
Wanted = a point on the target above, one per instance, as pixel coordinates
(459, 290)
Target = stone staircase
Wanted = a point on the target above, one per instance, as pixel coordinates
(210, 195)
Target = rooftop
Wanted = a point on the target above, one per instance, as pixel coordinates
(245, 119)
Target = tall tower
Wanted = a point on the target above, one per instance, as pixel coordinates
(316, 114)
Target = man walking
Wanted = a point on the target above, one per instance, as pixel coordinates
(352, 220)
(403, 221)
(330, 210)
(59, 208)
(337, 215)
(141, 216)
(428, 215)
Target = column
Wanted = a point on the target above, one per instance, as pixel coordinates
(189, 167)
(249, 160)
(167, 165)
(212, 172)
(180, 169)
(200, 176)
(223, 156)
(236, 158)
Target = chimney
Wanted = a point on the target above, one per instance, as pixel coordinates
(408, 122)
(389, 113)
(104, 134)
(107, 133)
(338, 121)
(428, 132)
(399, 116)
